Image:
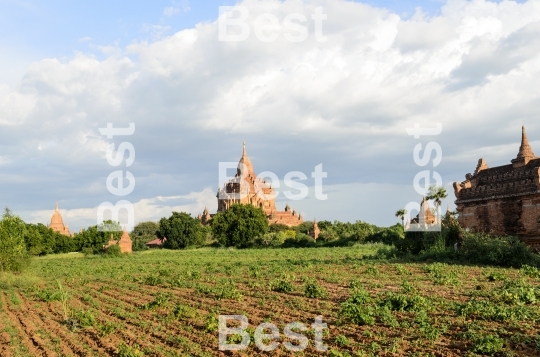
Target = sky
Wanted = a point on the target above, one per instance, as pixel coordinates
(69, 68)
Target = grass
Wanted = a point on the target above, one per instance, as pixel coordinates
(171, 300)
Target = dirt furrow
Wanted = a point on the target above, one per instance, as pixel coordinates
(34, 343)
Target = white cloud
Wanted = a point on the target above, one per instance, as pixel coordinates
(345, 102)
(150, 209)
(176, 8)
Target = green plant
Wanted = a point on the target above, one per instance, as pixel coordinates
(489, 344)
(64, 297)
(282, 286)
(314, 290)
(342, 340)
(495, 276)
(401, 302)
(530, 271)
(212, 322)
(129, 351)
(85, 318)
(357, 314)
(106, 329)
(113, 251)
(47, 296)
(181, 311)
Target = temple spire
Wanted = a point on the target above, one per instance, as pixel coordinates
(525, 153)
(244, 152)
(56, 209)
(525, 150)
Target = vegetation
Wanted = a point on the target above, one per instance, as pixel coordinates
(13, 253)
(143, 233)
(95, 237)
(181, 231)
(165, 302)
(239, 225)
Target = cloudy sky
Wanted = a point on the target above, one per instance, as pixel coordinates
(69, 68)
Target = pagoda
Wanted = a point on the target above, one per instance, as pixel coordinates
(246, 188)
(57, 223)
(504, 199)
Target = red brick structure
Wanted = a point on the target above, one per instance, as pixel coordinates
(205, 218)
(504, 199)
(57, 223)
(246, 188)
(125, 242)
(314, 233)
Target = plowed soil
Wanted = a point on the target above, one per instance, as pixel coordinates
(167, 303)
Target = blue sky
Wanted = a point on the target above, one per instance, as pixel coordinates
(67, 68)
(32, 30)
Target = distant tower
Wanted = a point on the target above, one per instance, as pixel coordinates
(247, 188)
(57, 223)
(315, 232)
(125, 243)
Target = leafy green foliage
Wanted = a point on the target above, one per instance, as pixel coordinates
(489, 344)
(113, 251)
(239, 225)
(143, 233)
(181, 231)
(282, 286)
(402, 302)
(314, 290)
(530, 271)
(13, 253)
(95, 237)
(129, 351)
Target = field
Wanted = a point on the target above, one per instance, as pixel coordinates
(166, 303)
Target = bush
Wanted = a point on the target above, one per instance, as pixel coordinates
(181, 231)
(239, 225)
(503, 251)
(113, 251)
(489, 344)
(13, 254)
(282, 286)
(87, 251)
(314, 290)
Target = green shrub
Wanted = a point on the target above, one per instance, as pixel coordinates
(129, 351)
(282, 286)
(314, 290)
(113, 251)
(357, 314)
(85, 318)
(401, 302)
(87, 251)
(489, 344)
(502, 251)
(13, 253)
(530, 271)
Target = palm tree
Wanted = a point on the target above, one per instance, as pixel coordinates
(401, 214)
(437, 194)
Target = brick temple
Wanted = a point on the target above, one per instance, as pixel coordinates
(246, 188)
(57, 223)
(504, 199)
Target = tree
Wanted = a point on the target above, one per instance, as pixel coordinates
(239, 225)
(437, 194)
(13, 253)
(143, 233)
(95, 237)
(181, 231)
(401, 214)
(42, 240)
(304, 227)
(277, 227)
